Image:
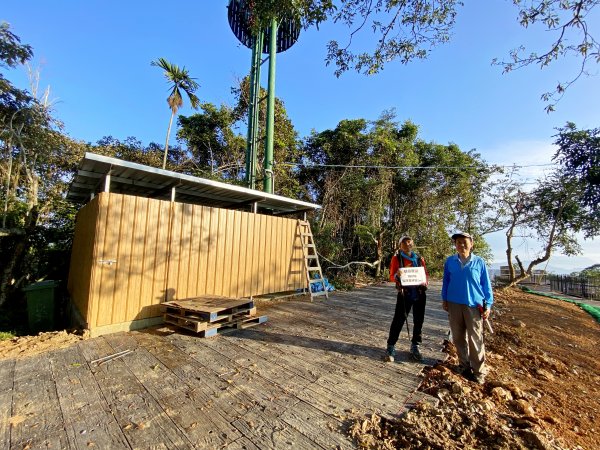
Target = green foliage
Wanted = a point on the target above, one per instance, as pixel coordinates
(403, 30)
(326, 244)
(377, 181)
(6, 335)
(592, 272)
(409, 30)
(365, 234)
(12, 52)
(579, 156)
(285, 140)
(217, 150)
(570, 24)
(131, 149)
(558, 213)
(37, 161)
(557, 209)
(214, 146)
(563, 204)
(179, 80)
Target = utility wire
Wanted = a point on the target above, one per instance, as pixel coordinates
(310, 165)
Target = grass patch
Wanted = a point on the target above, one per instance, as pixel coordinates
(5, 335)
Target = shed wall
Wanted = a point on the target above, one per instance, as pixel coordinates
(82, 257)
(149, 251)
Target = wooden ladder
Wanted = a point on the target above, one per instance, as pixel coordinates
(311, 260)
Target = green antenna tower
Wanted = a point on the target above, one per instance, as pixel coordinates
(277, 36)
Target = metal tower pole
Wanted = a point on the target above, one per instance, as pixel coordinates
(249, 171)
(253, 110)
(268, 164)
(283, 33)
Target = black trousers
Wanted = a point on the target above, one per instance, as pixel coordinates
(404, 303)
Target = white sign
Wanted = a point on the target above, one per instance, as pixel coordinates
(413, 276)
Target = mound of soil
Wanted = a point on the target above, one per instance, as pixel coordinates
(543, 389)
(30, 345)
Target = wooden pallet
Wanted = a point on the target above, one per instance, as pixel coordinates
(206, 315)
(205, 329)
(211, 309)
(197, 323)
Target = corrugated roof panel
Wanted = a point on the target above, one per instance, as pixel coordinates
(140, 180)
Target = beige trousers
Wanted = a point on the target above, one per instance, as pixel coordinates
(467, 335)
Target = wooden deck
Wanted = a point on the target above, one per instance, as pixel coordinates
(293, 382)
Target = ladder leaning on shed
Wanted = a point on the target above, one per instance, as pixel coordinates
(311, 260)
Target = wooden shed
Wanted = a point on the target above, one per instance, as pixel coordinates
(147, 235)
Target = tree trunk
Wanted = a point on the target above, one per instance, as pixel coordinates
(7, 187)
(379, 253)
(167, 141)
(545, 257)
(16, 253)
(511, 269)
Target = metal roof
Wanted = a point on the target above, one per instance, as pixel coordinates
(145, 181)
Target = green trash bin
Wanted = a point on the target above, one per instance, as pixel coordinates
(41, 305)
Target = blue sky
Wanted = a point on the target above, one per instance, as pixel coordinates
(95, 56)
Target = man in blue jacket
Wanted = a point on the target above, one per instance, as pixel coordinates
(467, 297)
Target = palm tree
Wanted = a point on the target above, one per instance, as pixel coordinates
(179, 80)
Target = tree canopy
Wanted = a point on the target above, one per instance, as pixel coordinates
(579, 155)
(37, 160)
(217, 147)
(377, 181)
(563, 204)
(179, 81)
(408, 30)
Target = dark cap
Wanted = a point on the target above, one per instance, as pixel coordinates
(461, 234)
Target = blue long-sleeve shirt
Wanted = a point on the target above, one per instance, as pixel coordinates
(469, 284)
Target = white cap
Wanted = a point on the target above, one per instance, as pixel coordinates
(458, 234)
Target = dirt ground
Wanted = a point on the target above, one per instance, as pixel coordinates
(30, 345)
(543, 390)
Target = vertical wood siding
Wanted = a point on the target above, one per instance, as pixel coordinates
(82, 257)
(168, 251)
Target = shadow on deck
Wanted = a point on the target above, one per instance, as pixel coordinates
(297, 381)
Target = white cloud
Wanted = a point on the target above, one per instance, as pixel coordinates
(534, 157)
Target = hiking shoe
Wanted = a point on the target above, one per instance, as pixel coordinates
(479, 378)
(466, 372)
(415, 352)
(390, 353)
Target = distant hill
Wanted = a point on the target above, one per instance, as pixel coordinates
(495, 269)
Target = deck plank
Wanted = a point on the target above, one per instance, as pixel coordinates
(267, 431)
(137, 412)
(191, 413)
(297, 381)
(204, 383)
(86, 420)
(7, 370)
(325, 430)
(37, 420)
